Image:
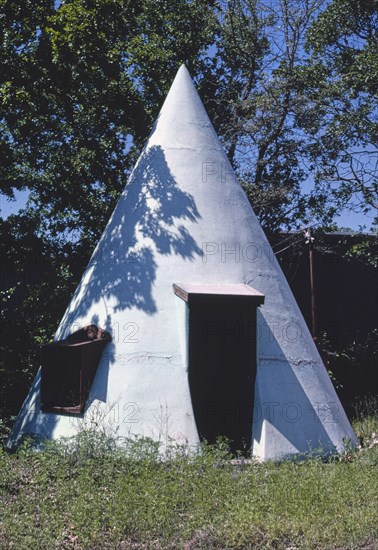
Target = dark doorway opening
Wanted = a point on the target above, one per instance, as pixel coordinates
(68, 369)
(222, 367)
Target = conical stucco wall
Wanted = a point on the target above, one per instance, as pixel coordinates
(183, 217)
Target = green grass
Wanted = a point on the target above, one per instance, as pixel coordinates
(87, 495)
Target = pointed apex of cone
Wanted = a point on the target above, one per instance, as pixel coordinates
(183, 68)
(182, 83)
(182, 73)
(183, 121)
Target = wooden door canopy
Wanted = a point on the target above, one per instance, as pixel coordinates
(69, 367)
(186, 290)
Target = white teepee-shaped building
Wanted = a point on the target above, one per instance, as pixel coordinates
(207, 337)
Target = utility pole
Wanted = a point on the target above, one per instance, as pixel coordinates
(314, 325)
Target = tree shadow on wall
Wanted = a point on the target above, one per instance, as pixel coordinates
(147, 223)
(122, 271)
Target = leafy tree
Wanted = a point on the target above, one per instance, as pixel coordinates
(81, 84)
(340, 80)
(293, 93)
